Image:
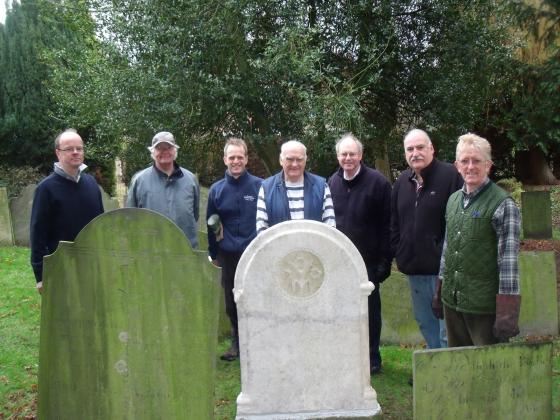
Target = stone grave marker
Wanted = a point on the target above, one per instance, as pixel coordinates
(399, 325)
(539, 304)
(20, 208)
(128, 323)
(6, 232)
(504, 381)
(537, 215)
(109, 203)
(301, 290)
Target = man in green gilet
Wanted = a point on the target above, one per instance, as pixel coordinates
(479, 269)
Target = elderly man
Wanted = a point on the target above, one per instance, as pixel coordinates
(479, 268)
(418, 227)
(294, 193)
(167, 188)
(362, 204)
(234, 200)
(64, 202)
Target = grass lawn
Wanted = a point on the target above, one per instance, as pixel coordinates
(19, 352)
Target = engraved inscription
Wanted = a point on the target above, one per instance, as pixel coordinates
(300, 273)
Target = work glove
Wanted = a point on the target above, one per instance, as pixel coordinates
(437, 306)
(507, 316)
(382, 270)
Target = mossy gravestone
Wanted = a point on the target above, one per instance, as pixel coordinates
(6, 233)
(128, 323)
(505, 381)
(537, 219)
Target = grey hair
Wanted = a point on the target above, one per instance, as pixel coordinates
(479, 143)
(291, 143)
(416, 132)
(351, 137)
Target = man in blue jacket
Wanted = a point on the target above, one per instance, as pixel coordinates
(362, 204)
(294, 193)
(64, 202)
(234, 200)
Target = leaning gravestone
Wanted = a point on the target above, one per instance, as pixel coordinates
(399, 325)
(537, 215)
(109, 203)
(301, 290)
(505, 381)
(539, 304)
(128, 323)
(6, 233)
(20, 208)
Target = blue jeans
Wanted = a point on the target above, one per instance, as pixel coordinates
(422, 290)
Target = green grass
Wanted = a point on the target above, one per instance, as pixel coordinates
(19, 353)
(19, 333)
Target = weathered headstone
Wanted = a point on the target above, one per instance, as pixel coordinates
(6, 232)
(539, 304)
(20, 208)
(399, 325)
(537, 215)
(128, 323)
(505, 381)
(301, 290)
(109, 203)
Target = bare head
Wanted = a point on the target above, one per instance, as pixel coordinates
(293, 157)
(349, 152)
(418, 150)
(473, 160)
(235, 156)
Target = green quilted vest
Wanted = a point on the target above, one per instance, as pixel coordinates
(471, 258)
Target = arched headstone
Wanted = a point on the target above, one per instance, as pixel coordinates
(301, 289)
(6, 233)
(128, 323)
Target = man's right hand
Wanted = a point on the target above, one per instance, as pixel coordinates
(437, 307)
(40, 287)
(216, 263)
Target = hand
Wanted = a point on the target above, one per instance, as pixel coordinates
(39, 287)
(437, 306)
(382, 270)
(216, 263)
(507, 316)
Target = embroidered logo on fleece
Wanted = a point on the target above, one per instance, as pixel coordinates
(249, 197)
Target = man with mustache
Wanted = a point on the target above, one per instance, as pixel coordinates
(418, 205)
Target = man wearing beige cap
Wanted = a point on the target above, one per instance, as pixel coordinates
(167, 188)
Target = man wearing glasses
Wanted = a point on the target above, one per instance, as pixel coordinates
(294, 193)
(362, 204)
(64, 202)
(479, 268)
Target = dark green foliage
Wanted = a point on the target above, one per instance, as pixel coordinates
(270, 71)
(17, 178)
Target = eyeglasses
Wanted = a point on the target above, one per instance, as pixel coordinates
(73, 149)
(294, 159)
(347, 155)
(473, 162)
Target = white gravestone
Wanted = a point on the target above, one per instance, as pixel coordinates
(301, 290)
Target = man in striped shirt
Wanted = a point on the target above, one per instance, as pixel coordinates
(294, 193)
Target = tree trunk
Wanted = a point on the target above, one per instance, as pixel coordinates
(532, 168)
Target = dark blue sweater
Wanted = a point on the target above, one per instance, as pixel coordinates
(235, 201)
(61, 208)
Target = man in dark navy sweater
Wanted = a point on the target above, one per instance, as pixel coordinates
(234, 200)
(64, 202)
(362, 208)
